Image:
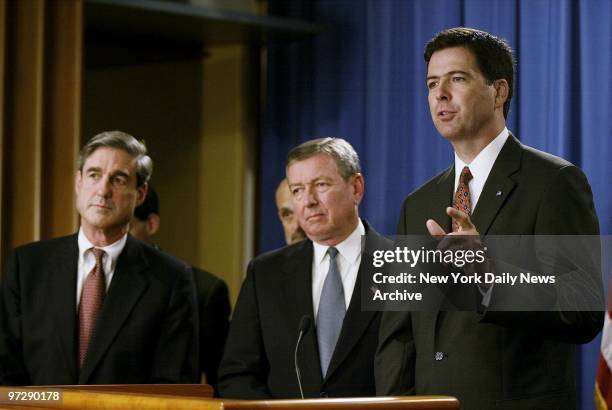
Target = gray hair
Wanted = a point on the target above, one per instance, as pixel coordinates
(339, 149)
(123, 141)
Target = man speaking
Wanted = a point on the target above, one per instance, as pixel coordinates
(497, 186)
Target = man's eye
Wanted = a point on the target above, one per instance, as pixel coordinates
(94, 175)
(120, 181)
(432, 84)
(458, 79)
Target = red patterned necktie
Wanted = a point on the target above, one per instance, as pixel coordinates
(92, 297)
(463, 199)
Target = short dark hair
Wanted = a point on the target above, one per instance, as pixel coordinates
(149, 206)
(493, 54)
(121, 140)
(339, 149)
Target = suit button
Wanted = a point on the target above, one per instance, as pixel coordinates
(439, 356)
(323, 394)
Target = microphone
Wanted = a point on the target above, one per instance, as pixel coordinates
(304, 327)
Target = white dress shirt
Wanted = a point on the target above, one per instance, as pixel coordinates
(481, 166)
(348, 260)
(87, 261)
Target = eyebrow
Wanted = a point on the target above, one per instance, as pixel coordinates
(120, 173)
(449, 73)
(313, 180)
(114, 174)
(90, 169)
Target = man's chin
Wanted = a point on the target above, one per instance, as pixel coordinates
(318, 233)
(101, 221)
(447, 134)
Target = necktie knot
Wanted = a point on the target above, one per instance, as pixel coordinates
(99, 254)
(333, 252)
(466, 175)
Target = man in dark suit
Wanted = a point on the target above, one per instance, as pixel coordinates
(99, 307)
(212, 293)
(486, 357)
(318, 278)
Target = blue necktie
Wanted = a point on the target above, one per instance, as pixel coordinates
(331, 312)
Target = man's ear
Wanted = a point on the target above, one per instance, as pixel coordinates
(153, 222)
(141, 193)
(358, 188)
(501, 92)
(77, 182)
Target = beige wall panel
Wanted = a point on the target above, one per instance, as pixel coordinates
(226, 158)
(24, 105)
(161, 103)
(63, 116)
(196, 119)
(2, 134)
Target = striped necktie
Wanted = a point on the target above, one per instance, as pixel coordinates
(90, 305)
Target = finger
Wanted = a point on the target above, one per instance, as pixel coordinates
(435, 229)
(461, 218)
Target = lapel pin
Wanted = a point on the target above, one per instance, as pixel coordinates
(498, 193)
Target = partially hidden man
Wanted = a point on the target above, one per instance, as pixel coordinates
(99, 307)
(212, 293)
(497, 186)
(318, 278)
(284, 204)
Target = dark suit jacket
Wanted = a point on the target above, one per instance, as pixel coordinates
(513, 360)
(146, 332)
(259, 355)
(214, 310)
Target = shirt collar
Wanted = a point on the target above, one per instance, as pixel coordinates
(481, 165)
(113, 250)
(350, 248)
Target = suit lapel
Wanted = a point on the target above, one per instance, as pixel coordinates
(498, 185)
(497, 188)
(443, 198)
(355, 324)
(356, 320)
(61, 286)
(297, 286)
(127, 286)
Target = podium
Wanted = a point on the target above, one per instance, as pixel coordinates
(185, 397)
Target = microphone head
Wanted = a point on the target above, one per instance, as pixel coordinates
(305, 323)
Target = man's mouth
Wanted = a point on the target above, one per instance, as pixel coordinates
(446, 114)
(314, 216)
(100, 206)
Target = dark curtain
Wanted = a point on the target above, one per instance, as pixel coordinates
(363, 78)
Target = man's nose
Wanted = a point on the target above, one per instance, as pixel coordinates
(310, 197)
(104, 187)
(442, 91)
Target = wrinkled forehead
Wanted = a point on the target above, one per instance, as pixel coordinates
(320, 165)
(110, 158)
